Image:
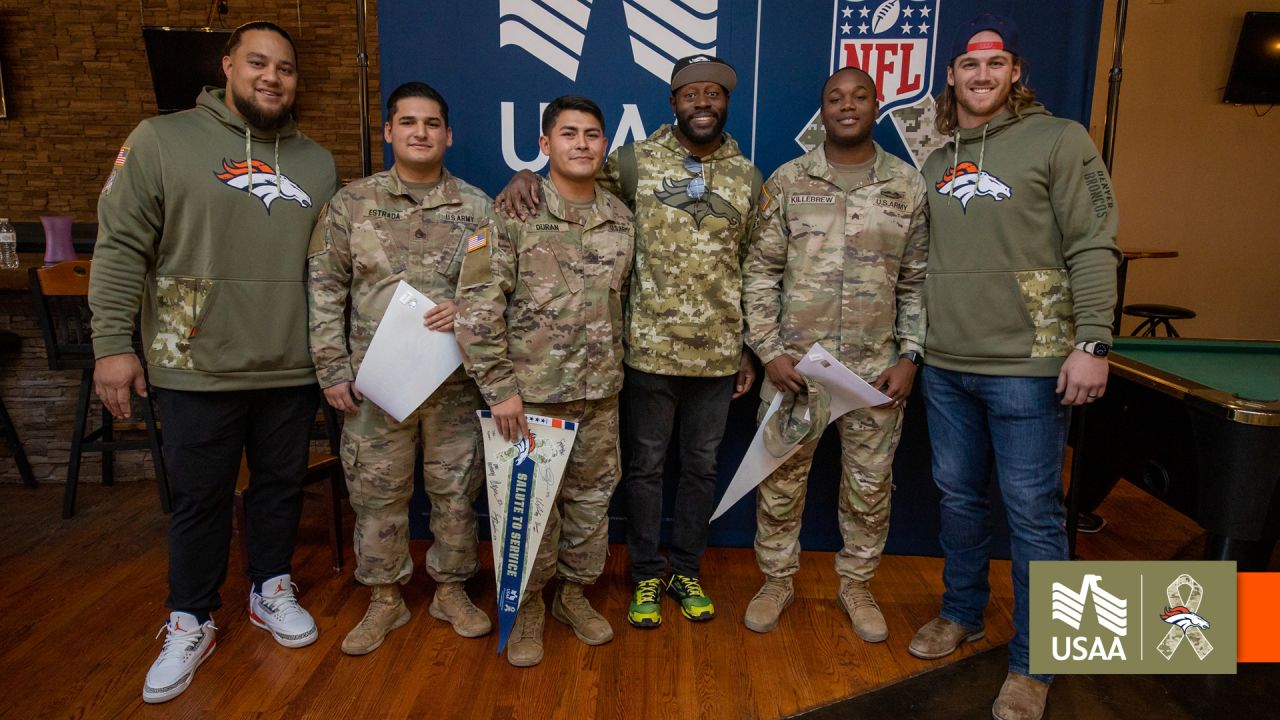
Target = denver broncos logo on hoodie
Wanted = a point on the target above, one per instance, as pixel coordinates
(964, 181)
(263, 182)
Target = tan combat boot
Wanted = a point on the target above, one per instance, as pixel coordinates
(766, 607)
(386, 613)
(868, 622)
(524, 647)
(1021, 698)
(572, 609)
(452, 605)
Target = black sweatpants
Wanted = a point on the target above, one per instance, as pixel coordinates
(204, 435)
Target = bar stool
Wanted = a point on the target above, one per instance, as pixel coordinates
(1157, 316)
(10, 343)
(61, 293)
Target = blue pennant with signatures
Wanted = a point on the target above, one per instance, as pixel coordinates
(514, 544)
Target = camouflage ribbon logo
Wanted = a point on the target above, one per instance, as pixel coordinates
(1184, 616)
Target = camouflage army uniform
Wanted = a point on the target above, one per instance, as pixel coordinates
(540, 315)
(844, 269)
(683, 332)
(372, 235)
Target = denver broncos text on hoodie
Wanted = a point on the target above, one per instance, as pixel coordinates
(1022, 254)
(205, 221)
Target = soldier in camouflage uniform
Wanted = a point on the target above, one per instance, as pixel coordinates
(540, 327)
(692, 192)
(838, 259)
(407, 223)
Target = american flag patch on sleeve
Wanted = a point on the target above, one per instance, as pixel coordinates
(122, 156)
(478, 241)
(765, 201)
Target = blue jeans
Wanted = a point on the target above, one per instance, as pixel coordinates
(1019, 424)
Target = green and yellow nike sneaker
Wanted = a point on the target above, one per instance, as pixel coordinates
(646, 604)
(694, 604)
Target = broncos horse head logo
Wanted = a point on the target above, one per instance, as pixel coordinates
(676, 194)
(265, 188)
(1183, 618)
(964, 181)
(525, 446)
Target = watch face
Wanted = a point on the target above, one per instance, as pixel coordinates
(1100, 349)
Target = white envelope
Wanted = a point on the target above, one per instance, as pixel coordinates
(406, 362)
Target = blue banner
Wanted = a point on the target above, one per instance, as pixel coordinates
(498, 63)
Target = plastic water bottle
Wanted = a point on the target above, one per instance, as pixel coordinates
(8, 245)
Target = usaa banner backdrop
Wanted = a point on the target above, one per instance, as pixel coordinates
(498, 63)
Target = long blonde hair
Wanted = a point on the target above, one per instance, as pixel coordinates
(1021, 97)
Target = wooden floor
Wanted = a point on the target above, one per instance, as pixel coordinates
(82, 601)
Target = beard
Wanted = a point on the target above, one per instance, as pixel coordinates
(701, 137)
(259, 117)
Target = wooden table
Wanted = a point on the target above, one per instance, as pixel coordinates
(16, 280)
(1122, 273)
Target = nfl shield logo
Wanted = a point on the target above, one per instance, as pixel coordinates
(894, 41)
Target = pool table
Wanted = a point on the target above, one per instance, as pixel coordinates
(1196, 423)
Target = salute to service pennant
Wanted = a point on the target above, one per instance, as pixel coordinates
(522, 480)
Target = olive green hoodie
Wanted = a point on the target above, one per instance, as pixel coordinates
(1022, 254)
(212, 247)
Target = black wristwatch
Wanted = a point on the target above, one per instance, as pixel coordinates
(1094, 347)
(916, 358)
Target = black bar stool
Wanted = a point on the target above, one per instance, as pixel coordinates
(61, 293)
(11, 343)
(1157, 316)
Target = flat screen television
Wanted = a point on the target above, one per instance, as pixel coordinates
(1255, 72)
(183, 60)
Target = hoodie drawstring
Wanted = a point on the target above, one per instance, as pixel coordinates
(982, 149)
(955, 156)
(248, 159)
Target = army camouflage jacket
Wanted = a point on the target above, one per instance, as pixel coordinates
(540, 302)
(371, 236)
(685, 311)
(845, 269)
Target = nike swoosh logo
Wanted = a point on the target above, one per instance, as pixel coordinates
(1095, 157)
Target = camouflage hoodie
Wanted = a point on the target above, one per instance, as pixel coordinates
(685, 313)
(204, 222)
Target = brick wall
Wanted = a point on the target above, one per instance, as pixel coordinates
(76, 82)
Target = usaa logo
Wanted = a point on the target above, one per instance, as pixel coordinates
(553, 33)
(1070, 607)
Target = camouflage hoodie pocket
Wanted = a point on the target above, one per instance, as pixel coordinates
(1047, 294)
(179, 305)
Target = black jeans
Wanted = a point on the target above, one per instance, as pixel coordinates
(654, 402)
(204, 434)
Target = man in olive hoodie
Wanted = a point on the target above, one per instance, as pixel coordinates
(1019, 293)
(204, 224)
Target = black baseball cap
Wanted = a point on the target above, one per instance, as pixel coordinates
(703, 68)
(1003, 26)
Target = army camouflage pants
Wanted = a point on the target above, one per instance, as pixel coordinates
(868, 439)
(576, 540)
(378, 455)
